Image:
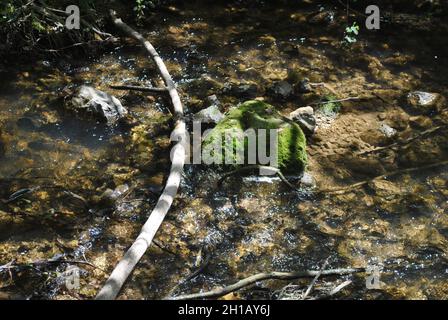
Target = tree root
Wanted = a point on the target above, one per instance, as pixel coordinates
(219, 292)
(127, 264)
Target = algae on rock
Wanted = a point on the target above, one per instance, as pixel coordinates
(237, 138)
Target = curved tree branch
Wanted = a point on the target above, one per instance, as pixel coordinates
(127, 264)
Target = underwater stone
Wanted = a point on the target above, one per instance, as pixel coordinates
(291, 151)
(387, 130)
(88, 101)
(282, 89)
(425, 102)
(211, 114)
(110, 197)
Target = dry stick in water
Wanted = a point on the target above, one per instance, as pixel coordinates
(127, 264)
(219, 292)
(143, 89)
(310, 287)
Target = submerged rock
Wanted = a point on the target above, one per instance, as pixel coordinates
(282, 90)
(381, 136)
(110, 197)
(90, 102)
(307, 181)
(387, 130)
(223, 143)
(245, 90)
(211, 114)
(304, 86)
(425, 102)
(324, 17)
(304, 117)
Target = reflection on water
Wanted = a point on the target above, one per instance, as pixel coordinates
(251, 224)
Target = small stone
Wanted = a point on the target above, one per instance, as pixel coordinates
(282, 89)
(307, 180)
(110, 197)
(324, 17)
(213, 99)
(388, 131)
(425, 102)
(304, 86)
(242, 90)
(304, 117)
(211, 114)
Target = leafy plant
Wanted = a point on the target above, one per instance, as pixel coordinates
(351, 34)
(330, 107)
(142, 6)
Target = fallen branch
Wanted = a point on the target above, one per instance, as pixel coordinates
(127, 264)
(338, 100)
(143, 89)
(393, 173)
(219, 292)
(44, 263)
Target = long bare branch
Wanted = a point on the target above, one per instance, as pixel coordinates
(127, 264)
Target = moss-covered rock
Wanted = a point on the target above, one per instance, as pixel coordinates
(232, 139)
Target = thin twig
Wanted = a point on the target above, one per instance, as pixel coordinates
(335, 101)
(138, 88)
(310, 287)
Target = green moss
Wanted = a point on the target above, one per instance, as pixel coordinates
(291, 151)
